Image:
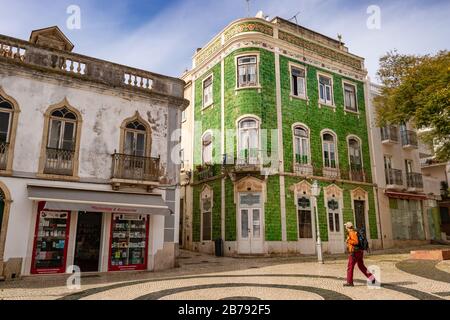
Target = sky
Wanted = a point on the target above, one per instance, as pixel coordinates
(162, 36)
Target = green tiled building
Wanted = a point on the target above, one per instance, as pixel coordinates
(275, 107)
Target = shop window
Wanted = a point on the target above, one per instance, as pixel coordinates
(298, 84)
(301, 144)
(407, 223)
(129, 242)
(329, 151)
(208, 91)
(247, 71)
(248, 143)
(350, 97)
(325, 90)
(51, 240)
(305, 218)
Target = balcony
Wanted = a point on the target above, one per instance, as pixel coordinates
(134, 168)
(205, 172)
(331, 173)
(357, 173)
(4, 147)
(389, 135)
(59, 162)
(394, 178)
(414, 181)
(409, 140)
(302, 166)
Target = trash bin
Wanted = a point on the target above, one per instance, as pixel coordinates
(219, 248)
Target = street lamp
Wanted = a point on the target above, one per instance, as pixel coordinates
(315, 190)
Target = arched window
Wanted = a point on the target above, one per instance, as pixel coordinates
(329, 151)
(248, 143)
(6, 116)
(355, 155)
(135, 139)
(301, 145)
(61, 142)
(207, 148)
(63, 127)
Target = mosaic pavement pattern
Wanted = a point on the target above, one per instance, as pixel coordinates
(201, 277)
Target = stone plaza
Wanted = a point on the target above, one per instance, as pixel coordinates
(202, 277)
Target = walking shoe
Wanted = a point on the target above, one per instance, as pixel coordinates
(348, 285)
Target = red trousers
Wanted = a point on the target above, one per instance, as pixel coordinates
(357, 258)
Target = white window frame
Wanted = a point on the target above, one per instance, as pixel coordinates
(301, 125)
(292, 66)
(207, 193)
(208, 132)
(62, 132)
(10, 112)
(349, 83)
(325, 102)
(258, 128)
(336, 144)
(257, 85)
(207, 104)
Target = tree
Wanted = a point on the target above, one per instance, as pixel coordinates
(417, 89)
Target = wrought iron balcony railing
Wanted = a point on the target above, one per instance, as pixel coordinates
(394, 177)
(389, 134)
(205, 172)
(414, 180)
(129, 167)
(59, 161)
(4, 147)
(357, 173)
(409, 139)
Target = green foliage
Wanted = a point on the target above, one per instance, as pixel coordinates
(417, 89)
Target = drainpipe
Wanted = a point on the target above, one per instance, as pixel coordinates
(379, 217)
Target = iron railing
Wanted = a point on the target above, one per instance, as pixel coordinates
(409, 138)
(59, 161)
(389, 133)
(414, 180)
(357, 173)
(394, 177)
(4, 147)
(129, 167)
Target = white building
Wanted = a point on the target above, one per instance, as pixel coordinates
(406, 202)
(86, 175)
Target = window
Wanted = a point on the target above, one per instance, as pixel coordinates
(206, 219)
(247, 71)
(305, 230)
(298, 82)
(208, 91)
(409, 166)
(62, 130)
(182, 158)
(325, 90)
(207, 148)
(301, 144)
(135, 139)
(329, 151)
(183, 116)
(354, 150)
(248, 144)
(6, 112)
(350, 97)
(334, 216)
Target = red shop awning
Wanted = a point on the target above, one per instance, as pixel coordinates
(405, 195)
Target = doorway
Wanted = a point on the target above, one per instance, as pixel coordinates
(251, 226)
(335, 228)
(360, 215)
(87, 247)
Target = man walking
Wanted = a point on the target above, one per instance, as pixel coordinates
(356, 256)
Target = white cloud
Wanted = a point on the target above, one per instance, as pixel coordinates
(167, 42)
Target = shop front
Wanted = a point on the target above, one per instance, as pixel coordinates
(96, 231)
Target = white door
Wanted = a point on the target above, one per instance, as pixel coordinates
(306, 226)
(336, 242)
(250, 227)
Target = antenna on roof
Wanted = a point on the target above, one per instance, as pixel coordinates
(248, 8)
(295, 17)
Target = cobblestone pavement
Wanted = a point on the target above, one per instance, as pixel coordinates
(201, 277)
